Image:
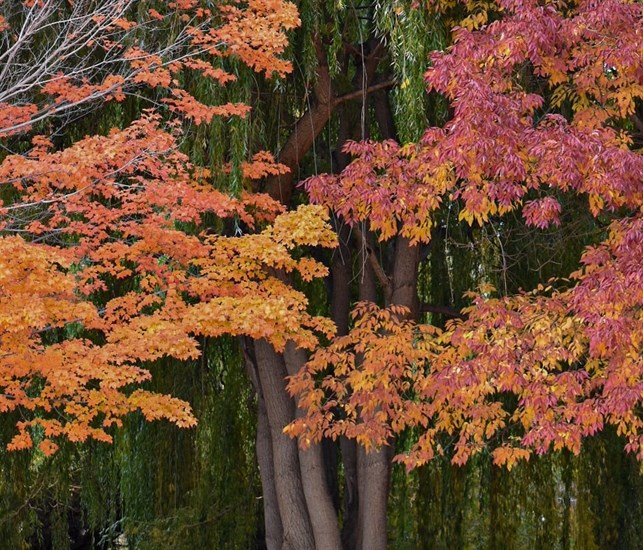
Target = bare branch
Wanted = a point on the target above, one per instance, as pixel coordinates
(383, 279)
(81, 43)
(358, 94)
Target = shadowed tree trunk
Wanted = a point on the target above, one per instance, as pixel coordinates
(274, 531)
(366, 477)
(295, 520)
(263, 449)
(372, 468)
(313, 474)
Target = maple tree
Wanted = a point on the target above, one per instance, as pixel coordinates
(107, 278)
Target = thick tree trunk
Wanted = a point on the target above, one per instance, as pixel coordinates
(313, 475)
(404, 280)
(372, 468)
(374, 471)
(295, 521)
(272, 518)
(366, 477)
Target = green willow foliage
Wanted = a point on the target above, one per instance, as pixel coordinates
(202, 488)
(160, 487)
(412, 34)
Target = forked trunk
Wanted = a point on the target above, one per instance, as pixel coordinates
(313, 475)
(295, 521)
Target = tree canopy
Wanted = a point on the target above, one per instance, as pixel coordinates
(167, 180)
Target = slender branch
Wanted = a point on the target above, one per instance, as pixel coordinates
(381, 275)
(357, 94)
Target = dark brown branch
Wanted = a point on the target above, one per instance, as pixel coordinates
(306, 130)
(383, 279)
(313, 121)
(357, 94)
(442, 310)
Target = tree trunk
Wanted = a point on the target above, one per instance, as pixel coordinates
(366, 477)
(374, 472)
(295, 521)
(313, 475)
(272, 518)
(404, 280)
(373, 469)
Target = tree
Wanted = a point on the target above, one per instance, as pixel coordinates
(123, 226)
(498, 151)
(106, 278)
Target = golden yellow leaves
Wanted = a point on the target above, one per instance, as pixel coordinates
(508, 456)
(125, 285)
(306, 226)
(237, 280)
(242, 285)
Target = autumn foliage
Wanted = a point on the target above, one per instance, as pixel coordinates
(531, 372)
(106, 260)
(109, 257)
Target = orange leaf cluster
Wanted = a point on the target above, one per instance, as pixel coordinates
(121, 284)
(119, 265)
(536, 371)
(98, 54)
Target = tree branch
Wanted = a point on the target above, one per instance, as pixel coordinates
(381, 275)
(357, 94)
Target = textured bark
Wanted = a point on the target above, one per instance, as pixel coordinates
(341, 274)
(374, 471)
(372, 468)
(297, 529)
(272, 518)
(313, 475)
(404, 280)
